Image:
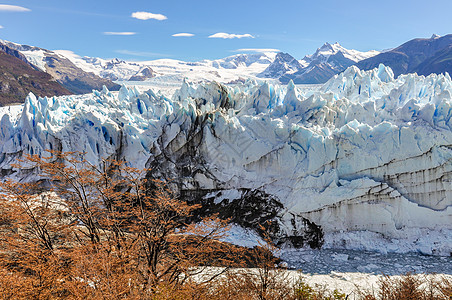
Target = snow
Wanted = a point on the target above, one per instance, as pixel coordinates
(365, 156)
(36, 58)
(328, 49)
(242, 237)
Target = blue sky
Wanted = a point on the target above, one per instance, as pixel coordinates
(144, 29)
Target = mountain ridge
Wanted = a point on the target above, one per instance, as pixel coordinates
(82, 74)
(407, 57)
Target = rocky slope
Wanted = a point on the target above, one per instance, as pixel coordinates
(60, 68)
(73, 78)
(18, 78)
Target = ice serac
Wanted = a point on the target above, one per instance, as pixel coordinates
(365, 160)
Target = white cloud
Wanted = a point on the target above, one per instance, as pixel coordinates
(1, 27)
(143, 15)
(257, 50)
(223, 35)
(14, 8)
(183, 34)
(119, 33)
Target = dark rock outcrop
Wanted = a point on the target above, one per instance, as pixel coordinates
(144, 74)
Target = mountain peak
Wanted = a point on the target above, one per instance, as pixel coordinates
(435, 36)
(284, 63)
(330, 46)
(326, 46)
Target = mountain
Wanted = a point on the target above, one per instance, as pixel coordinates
(18, 78)
(413, 56)
(224, 70)
(362, 162)
(328, 60)
(82, 74)
(60, 68)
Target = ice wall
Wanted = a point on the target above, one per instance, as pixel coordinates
(366, 155)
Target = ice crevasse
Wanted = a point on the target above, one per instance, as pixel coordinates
(361, 162)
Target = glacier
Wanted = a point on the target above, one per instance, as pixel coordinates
(361, 162)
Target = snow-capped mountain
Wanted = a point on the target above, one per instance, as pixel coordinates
(364, 160)
(323, 54)
(284, 64)
(221, 70)
(113, 69)
(328, 60)
(419, 55)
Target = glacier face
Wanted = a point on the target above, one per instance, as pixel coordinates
(363, 158)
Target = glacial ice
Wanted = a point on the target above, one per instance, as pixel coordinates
(364, 155)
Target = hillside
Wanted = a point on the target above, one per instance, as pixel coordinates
(413, 56)
(61, 69)
(441, 62)
(18, 79)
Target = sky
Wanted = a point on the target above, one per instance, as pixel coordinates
(193, 30)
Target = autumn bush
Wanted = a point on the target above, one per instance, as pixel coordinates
(87, 232)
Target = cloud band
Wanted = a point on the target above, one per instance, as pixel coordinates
(119, 33)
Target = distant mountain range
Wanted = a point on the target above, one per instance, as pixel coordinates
(222, 70)
(79, 75)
